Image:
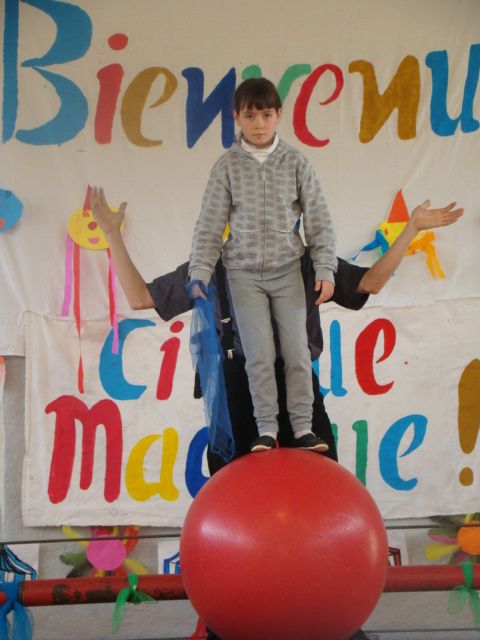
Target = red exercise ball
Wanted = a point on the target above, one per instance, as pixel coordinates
(283, 545)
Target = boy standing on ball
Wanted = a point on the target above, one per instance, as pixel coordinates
(262, 188)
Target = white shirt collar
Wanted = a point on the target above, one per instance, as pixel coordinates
(259, 154)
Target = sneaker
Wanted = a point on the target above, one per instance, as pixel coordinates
(311, 442)
(263, 443)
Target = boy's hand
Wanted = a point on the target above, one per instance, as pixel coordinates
(108, 220)
(326, 289)
(196, 291)
(424, 218)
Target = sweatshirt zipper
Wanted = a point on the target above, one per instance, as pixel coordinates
(264, 216)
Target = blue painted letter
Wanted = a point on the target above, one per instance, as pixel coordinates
(194, 478)
(200, 112)
(388, 452)
(441, 122)
(336, 370)
(72, 40)
(110, 367)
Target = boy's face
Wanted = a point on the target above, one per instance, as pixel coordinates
(258, 125)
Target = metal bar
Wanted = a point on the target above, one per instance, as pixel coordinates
(37, 593)
(89, 538)
(177, 533)
(428, 578)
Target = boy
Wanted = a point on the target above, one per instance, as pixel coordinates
(261, 187)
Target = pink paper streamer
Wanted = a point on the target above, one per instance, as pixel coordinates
(113, 299)
(67, 289)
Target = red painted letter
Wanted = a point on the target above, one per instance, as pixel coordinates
(364, 354)
(300, 110)
(169, 363)
(68, 409)
(110, 79)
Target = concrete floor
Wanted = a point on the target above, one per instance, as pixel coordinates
(418, 616)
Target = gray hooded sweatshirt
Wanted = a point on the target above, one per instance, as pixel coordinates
(262, 204)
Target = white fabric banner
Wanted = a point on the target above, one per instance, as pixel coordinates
(403, 403)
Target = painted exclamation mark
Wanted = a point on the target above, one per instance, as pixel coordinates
(468, 414)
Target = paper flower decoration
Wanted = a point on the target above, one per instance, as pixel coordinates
(108, 557)
(457, 539)
(389, 230)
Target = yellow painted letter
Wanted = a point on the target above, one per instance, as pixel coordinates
(134, 101)
(137, 486)
(403, 93)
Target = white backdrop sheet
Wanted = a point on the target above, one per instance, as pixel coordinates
(135, 96)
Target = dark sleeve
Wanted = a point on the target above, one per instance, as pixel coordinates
(347, 279)
(169, 294)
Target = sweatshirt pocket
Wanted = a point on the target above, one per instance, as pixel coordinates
(284, 219)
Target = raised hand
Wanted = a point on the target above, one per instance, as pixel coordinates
(424, 218)
(108, 220)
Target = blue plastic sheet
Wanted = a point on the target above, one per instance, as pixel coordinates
(22, 626)
(207, 357)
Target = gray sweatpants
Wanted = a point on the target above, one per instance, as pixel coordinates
(256, 298)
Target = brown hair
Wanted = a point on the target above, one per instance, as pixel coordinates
(258, 93)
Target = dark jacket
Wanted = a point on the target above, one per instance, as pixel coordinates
(171, 298)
